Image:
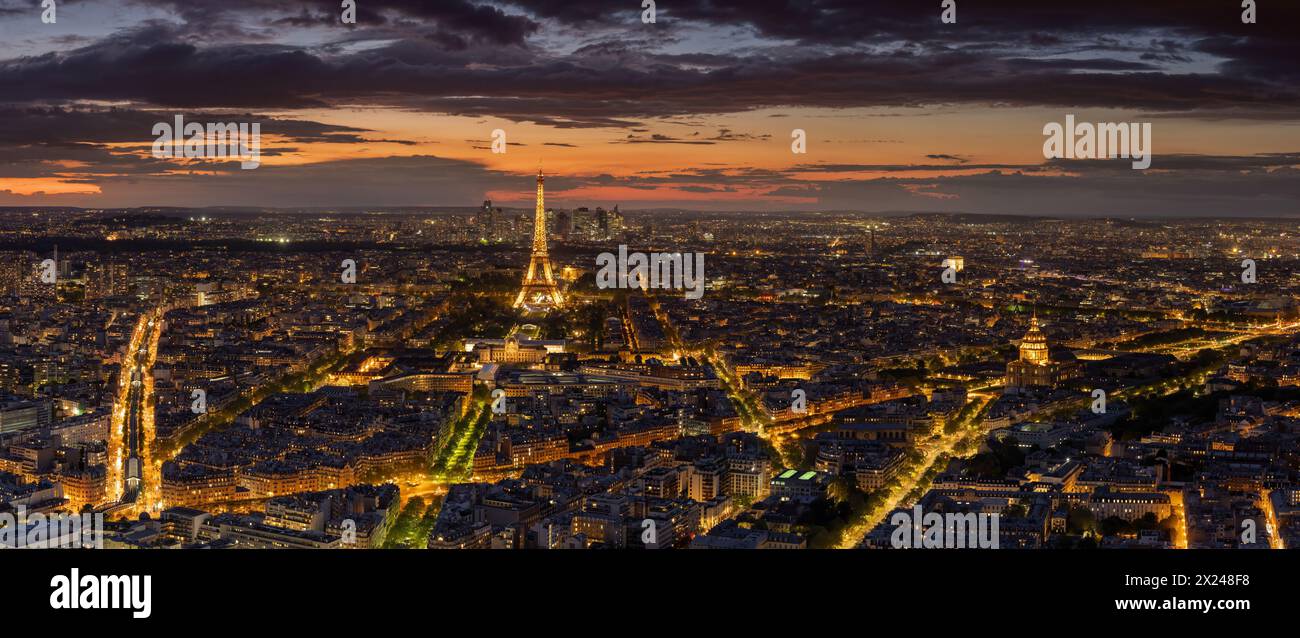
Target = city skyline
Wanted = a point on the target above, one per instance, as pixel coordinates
(404, 282)
(371, 381)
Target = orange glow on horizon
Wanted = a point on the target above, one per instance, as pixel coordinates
(616, 194)
(46, 186)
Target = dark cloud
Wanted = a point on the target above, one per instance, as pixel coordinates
(1192, 185)
(110, 143)
(20, 125)
(1230, 164)
(947, 157)
(592, 63)
(1131, 193)
(1091, 64)
(1042, 23)
(404, 181)
(875, 168)
(474, 58)
(659, 138)
(461, 21)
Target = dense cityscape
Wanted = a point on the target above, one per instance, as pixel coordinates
(461, 378)
(851, 278)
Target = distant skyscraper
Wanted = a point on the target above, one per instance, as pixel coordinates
(29, 281)
(14, 269)
(615, 222)
(564, 223)
(106, 279)
(610, 222)
(539, 291)
(486, 220)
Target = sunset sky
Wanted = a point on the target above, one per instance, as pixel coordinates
(902, 112)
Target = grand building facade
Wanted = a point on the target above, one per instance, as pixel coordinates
(1037, 367)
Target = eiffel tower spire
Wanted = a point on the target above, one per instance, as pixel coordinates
(539, 291)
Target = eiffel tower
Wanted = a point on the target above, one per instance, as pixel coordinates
(539, 291)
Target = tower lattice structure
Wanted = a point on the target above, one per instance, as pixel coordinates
(539, 291)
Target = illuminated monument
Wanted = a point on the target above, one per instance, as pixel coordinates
(1037, 367)
(539, 291)
(1033, 347)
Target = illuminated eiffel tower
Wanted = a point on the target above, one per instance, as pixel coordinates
(539, 291)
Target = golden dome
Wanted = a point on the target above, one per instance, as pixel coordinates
(1033, 347)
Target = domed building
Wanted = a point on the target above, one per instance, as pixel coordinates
(1038, 366)
(1033, 347)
